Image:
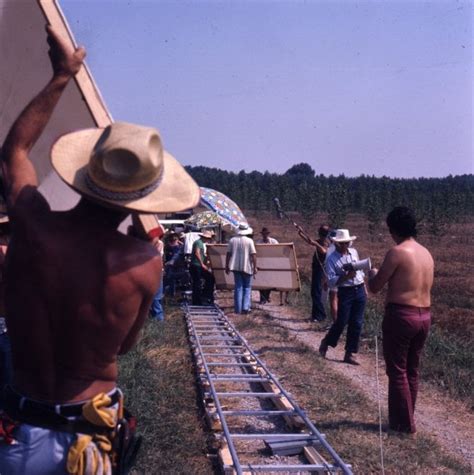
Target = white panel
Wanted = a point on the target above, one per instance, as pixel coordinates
(25, 70)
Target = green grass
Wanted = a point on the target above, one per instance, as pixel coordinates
(447, 361)
(344, 414)
(159, 385)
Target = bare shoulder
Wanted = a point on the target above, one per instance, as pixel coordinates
(140, 258)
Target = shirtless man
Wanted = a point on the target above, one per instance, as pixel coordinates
(78, 291)
(408, 269)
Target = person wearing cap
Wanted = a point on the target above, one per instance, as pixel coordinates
(408, 270)
(200, 270)
(266, 239)
(318, 312)
(77, 290)
(352, 296)
(241, 259)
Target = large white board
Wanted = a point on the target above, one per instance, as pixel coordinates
(277, 267)
(26, 69)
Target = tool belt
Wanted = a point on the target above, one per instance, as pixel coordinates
(117, 434)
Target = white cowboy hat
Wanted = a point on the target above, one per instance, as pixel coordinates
(244, 230)
(207, 233)
(342, 235)
(124, 165)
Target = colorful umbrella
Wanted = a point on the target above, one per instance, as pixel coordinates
(223, 206)
(206, 219)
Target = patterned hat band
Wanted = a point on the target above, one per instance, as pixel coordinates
(121, 195)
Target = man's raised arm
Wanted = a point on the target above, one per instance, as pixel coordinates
(18, 170)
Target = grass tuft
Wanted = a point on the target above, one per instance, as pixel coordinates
(158, 380)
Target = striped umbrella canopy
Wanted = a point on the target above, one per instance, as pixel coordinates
(223, 206)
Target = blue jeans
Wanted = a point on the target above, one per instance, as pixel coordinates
(6, 368)
(350, 312)
(156, 310)
(242, 291)
(318, 311)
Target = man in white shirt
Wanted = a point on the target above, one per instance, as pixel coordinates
(241, 259)
(352, 295)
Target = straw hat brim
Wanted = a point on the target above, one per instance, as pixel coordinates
(176, 191)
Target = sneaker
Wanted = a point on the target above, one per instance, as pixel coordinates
(349, 359)
(245, 312)
(323, 348)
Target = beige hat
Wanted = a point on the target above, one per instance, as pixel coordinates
(207, 233)
(342, 235)
(124, 165)
(244, 230)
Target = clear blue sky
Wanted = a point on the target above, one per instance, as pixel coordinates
(374, 87)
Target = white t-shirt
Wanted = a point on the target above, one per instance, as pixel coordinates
(270, 241)
(240, 249)
(189, 241)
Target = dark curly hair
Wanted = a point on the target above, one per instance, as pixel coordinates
(402, 222)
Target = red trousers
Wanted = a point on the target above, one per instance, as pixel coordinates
(404, 329)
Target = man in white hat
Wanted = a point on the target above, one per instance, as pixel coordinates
(241, 259)
(352, 295)
(77, 290)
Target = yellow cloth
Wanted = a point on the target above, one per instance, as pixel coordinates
(90, 454)
(97, 412)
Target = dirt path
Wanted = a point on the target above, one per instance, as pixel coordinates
(450, 422)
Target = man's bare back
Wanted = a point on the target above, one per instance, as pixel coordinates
(411, 282)
(408, 269)
(80, 279)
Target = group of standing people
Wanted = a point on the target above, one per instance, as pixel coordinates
(408, 272)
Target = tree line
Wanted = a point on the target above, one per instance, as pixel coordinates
(438, 202)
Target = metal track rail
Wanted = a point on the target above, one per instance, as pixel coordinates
(224, 359)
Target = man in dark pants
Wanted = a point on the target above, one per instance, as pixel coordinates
(352, 296)
(408, 270)
(200, 270)
(318, 312)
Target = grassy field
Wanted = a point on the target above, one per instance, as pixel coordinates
(449, 359)
(159, 384)
(158, 380)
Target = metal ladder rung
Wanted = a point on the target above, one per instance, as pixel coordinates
(259, 413)
(241, 380)
(223, 346)
(252, 468)
(274, 436)
(230, 364)
(249, 394)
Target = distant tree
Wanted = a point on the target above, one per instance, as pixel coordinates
(374, 214)
(301, 170)
(338, 204)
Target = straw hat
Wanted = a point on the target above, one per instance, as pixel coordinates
(207, 233)
(244, 230)
(124, 165)
(342, 235)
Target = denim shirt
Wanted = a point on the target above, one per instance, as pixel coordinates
(334, 268)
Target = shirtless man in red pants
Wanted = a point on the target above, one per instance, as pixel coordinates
(408, 268)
